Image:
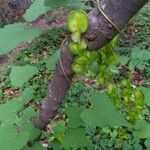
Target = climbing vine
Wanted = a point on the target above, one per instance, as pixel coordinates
(96, 64)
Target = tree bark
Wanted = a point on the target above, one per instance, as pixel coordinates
(12, 10)
(100, 32)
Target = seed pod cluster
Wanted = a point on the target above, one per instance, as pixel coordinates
(96, 64)
(127, 98)
(93, 64)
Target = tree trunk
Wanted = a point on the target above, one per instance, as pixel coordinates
(12, 10)
(100, 32)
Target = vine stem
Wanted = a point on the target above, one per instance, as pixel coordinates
(60, 60)
(103, 13)
(100, 32)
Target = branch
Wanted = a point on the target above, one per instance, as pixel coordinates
(100, 32)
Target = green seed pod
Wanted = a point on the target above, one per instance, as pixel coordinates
(82, 45)
(101, 81)
(126, 83)
(75, 37)
(132, 117)
(73, 47)
(140, 103)
(77, 21)
(139, 108)
(126, 92)
(139, 96)
(115, 98)
(82, 60)
(78, 69)
(111, 89)
(126, 100)
(77, 48)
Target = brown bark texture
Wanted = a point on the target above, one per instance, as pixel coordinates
(12, 10)
(100, 32)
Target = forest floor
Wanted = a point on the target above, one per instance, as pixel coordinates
(133, 55)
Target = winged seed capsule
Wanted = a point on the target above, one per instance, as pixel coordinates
(77, 21)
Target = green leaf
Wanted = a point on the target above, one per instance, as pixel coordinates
(27, 94)
(123, 60)
(19, 75)
(8, 111)
(138, 54)
(77, 4)
(51, 63)
(147, 143)
(28, 129)
(139, 58)
(35, 10)
(31, 130)
(16, 133)
(26, 126)
(59, 129)
(37, 146)
(103, 113)
(142, 129)
(137, 146)
(28, 113)
(56, 145)
(11, 138)
(73, 114)
(76, 139)
(146, 92)
(126, 146)
(12, 35)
